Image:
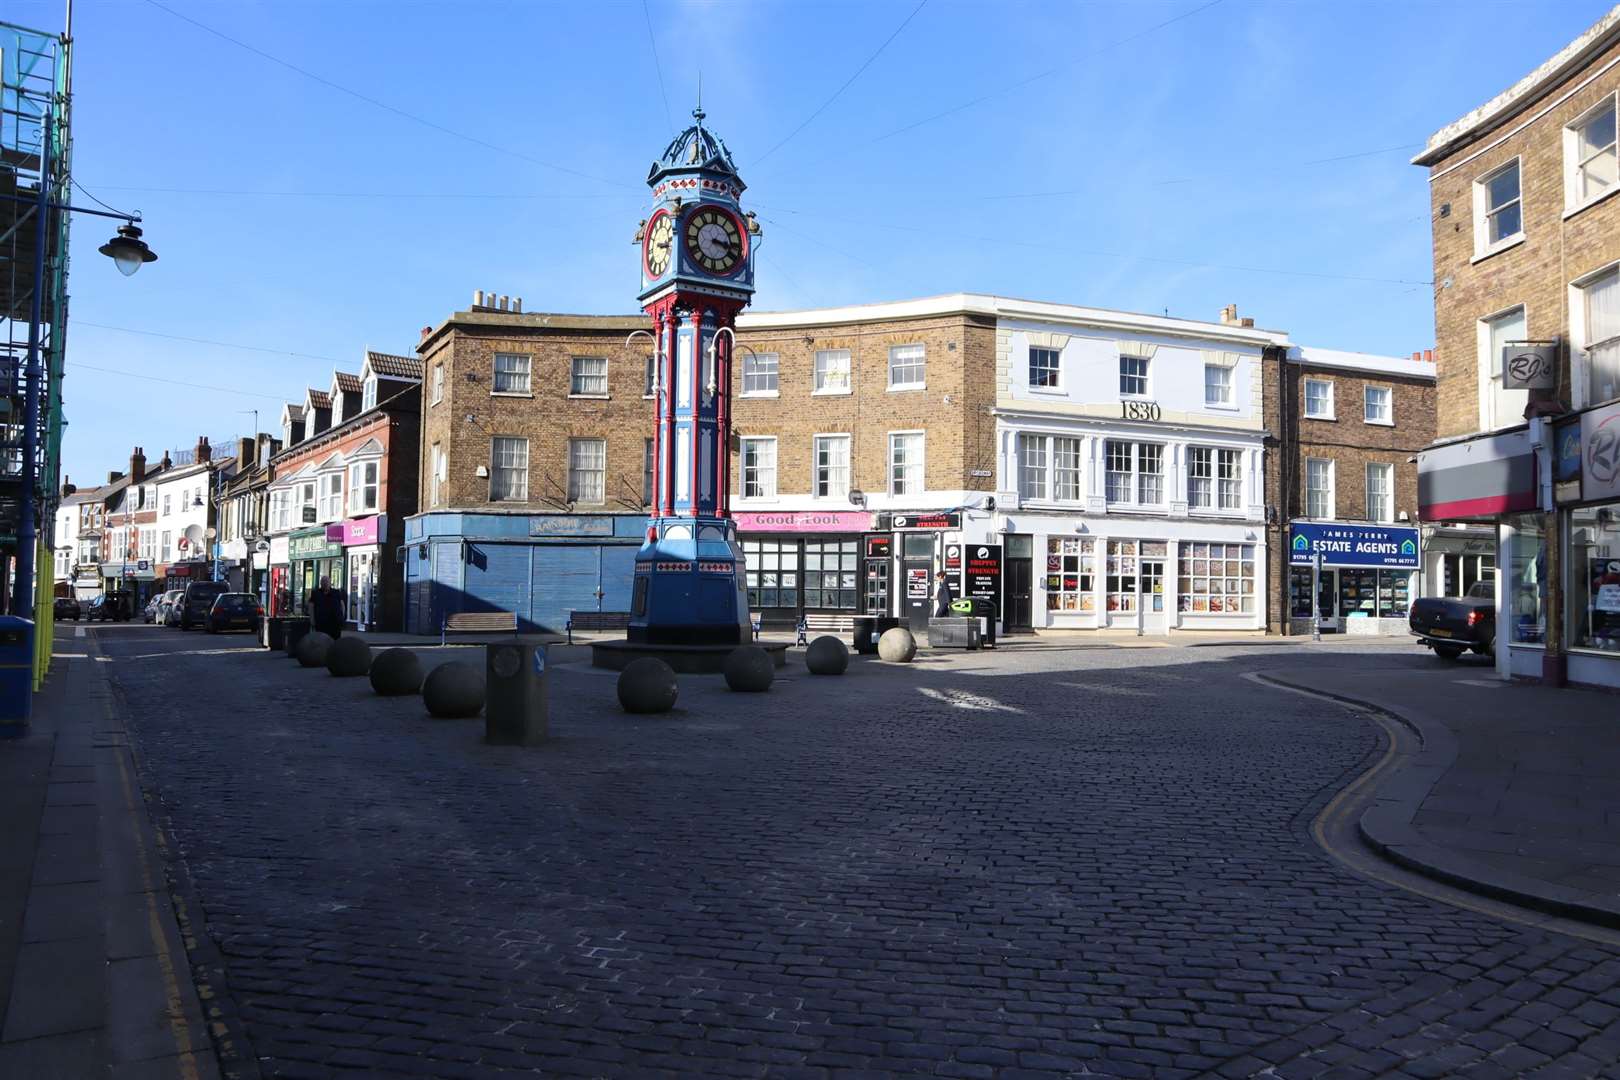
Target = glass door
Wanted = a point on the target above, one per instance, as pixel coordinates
(1152, 598)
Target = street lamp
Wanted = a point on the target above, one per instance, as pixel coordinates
(127, 250)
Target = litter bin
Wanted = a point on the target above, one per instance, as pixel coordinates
(983, 609)
(868, 628)
(273, 632)
(16, 675)
(516, 705)
(954, 632)
(294, 628)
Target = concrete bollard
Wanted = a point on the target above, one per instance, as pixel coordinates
(827, 655)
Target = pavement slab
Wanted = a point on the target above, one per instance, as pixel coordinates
(982, 864)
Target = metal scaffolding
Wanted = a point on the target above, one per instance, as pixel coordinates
(35, 168)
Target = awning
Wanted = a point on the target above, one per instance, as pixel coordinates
(1477, 479)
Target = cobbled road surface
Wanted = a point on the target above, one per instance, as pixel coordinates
(1042, 862)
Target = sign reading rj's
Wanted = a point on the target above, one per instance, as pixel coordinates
(1353, 545)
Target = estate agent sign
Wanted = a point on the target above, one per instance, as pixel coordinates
(1354, 545)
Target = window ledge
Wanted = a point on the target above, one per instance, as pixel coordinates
(1138, 508)
(1501, 245)
(1378, 423)
(1593, 201)
(576, 397)
(906, 388)
(511, 393)
(1330, 417)
(760, 394)
(832, 393)
(1216, 407)
(1048, 391)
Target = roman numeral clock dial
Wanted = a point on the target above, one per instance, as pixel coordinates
(714, 241)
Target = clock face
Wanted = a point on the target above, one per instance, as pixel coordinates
(714, 241)
(660, 242)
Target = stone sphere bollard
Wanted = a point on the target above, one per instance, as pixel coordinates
(897, 646)
(749, 669)
(647, 685)
(348, 656)
(454, 689)
(396, 671)
(312, 648)
(827, 655)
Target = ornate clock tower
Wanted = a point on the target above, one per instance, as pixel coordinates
(697, 273)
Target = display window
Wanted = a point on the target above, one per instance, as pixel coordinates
(1071, 566)
(1122, 570)
(1219, 579)
(1460, 572)
(773, 573)
(829, 574)
(1526, 597)
(1594, 578)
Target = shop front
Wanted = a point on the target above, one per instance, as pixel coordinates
(134, 582)
(1589, 532)
(361, 540)
(1364, 576)
(803, 561)
(313, 557)
(1151, 577)
(276, 558)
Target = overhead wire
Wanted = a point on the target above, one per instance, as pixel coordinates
(953, 110)
(189, 384)
(658, 69)
(207, 341)
(846, 84)
(385, 106)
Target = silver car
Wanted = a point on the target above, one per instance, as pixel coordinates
(166, 615)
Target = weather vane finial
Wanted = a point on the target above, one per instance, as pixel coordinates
(698, 114)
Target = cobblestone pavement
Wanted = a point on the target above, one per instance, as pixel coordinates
(1048, 863)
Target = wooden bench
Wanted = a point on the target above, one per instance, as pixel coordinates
(478, 622)
(823, 623)
(596, 620)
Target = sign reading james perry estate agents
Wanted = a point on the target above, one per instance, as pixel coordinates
(1354, 545)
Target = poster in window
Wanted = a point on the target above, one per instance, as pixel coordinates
(917, 583)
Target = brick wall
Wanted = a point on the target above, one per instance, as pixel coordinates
(1349, 442)
(1537, 272)
(953, 409)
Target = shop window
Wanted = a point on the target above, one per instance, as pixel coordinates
(1071, 566)
(1594, 578)
(1526, 595)
(829, 574)
(1121, 576)
(1219, 578)
(1461, 572)
(1394, 593)
(773, 573)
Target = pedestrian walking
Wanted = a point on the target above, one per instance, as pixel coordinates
(326, 610)
(943, 595)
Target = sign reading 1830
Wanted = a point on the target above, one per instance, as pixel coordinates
(1354, 545)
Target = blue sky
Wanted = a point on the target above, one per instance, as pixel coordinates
(1105, 160)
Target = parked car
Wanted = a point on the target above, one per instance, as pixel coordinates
(192, 608)
(1452, 626)
(235, 611)
(149, 612)
(105, 608)
(66, 607)
(165, 607)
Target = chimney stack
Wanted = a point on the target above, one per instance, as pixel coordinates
(426, 330)
(1428, 354)
(67, 487)
(204, 452)
(244, 454)
(1246, 323)
(503, 302)
(114, 476)
(137, 466)
(517, 305)
(1416, 355)
(166, 463)
(478, 298)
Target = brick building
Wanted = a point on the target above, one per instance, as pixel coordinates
(874, 444)
(1527, 313)
(341, 489)
(1346, 428)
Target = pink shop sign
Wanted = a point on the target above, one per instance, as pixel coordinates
(804, 521)
(357, 532)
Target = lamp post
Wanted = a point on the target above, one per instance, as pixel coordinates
(130, 253)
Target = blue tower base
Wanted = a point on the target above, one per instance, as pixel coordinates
(690, 587)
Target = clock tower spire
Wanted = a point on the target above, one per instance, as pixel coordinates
(697, 273)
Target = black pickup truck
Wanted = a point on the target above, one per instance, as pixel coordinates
(1453, 626)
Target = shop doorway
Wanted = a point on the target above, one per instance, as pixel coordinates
(1018, 590)
(1152, 598)
(879, 563)
(917, 573)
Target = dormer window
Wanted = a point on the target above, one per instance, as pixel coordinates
(368, 394)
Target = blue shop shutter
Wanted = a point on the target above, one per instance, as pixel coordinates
(417, 592)
(564, 578)
(497, 577)
(446, 596)
(618, 576)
